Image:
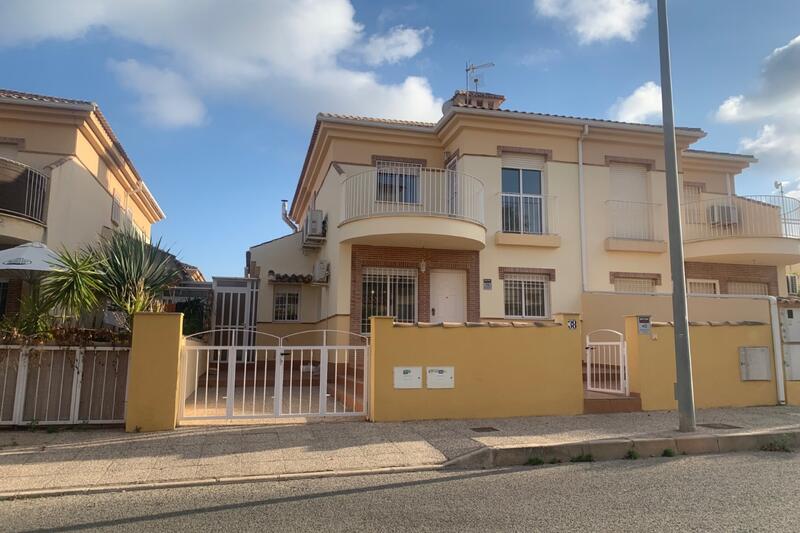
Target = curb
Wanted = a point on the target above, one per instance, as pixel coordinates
(204, 482)
(614, 449)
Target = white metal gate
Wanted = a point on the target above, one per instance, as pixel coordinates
(63, 385)
(311, 373)
(606, 362)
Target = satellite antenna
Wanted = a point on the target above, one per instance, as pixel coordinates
(472, 75)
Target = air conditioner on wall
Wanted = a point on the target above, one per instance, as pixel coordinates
(723, 215)
(314, 229)
(321, 270)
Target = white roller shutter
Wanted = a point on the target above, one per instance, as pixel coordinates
(629, 182)
(523, 161)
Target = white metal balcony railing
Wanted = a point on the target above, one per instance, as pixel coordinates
(413, 191)
(634, 220)
(23, 191)
(723, 216)
(529, 213)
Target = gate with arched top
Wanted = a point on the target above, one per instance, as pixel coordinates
(606, 362)
(305, 374)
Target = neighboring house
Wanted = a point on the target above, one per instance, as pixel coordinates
(64, 178)
(491, 214)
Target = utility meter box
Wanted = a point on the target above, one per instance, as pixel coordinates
(790, 324)
(440, 377)
(408, 377)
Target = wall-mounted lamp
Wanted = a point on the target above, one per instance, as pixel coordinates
(422, 266)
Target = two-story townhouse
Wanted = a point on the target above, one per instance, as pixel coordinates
(64, 178)
(490, 214)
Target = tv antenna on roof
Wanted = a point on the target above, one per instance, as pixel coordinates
(472, 75)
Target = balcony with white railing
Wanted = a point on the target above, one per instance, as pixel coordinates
(635, 227)
(413, 206)
(720, 227)
(23, 195)
(528, 219)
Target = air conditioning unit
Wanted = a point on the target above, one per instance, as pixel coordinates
(723, 215)
(321, 270)
(314, 229)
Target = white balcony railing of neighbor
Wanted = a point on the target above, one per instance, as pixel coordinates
(416, 191)
(634, 220)
(721, 216)
(529, 214)
(23, 191)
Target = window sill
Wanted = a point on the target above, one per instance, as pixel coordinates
(635, 245)
(527, 239)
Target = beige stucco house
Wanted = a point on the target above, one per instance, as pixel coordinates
(493, 214)
(64, 178)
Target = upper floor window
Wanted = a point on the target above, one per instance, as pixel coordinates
(286, 303)
(522, 201)
(397, 182)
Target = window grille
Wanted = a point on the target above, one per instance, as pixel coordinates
(397, 182)
(388, 292)
(791, 284)
(286, 303)
(526, 295)
(748, 287)
(634, 285)
(702, 286)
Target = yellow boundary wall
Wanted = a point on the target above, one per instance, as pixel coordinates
(715, 365)
(153, 374)
(499, 371)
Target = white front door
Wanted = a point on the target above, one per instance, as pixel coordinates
(448, 296)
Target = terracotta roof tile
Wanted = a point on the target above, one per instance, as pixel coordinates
(378, 120)
(19, 95)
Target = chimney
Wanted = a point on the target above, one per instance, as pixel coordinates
(474, 99)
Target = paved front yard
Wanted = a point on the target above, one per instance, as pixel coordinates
(38, 459)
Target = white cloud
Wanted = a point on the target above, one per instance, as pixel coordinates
(540, 57)
(397, 44)
(642, 105)
(597, 20)
(775, 104)
(284, 53)
(165, 98)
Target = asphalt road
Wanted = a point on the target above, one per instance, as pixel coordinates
(735, 492)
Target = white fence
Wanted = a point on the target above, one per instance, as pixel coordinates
(606, 362)
(280, 377)
(63, 385)
(721, 216)
(634, 220)
(401, 191)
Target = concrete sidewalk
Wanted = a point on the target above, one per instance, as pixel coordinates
(35, 461)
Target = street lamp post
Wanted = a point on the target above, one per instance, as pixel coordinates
(684, 390)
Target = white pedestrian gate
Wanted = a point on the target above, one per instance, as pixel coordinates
(311, 373)
(606, 362)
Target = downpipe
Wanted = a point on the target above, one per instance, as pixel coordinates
(582, 205)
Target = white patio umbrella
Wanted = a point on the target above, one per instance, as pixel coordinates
(29, 261)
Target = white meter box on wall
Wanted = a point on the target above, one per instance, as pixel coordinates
(440, 377)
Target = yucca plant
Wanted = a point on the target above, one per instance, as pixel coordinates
(74, 286)
(122, 269)
(133, 272)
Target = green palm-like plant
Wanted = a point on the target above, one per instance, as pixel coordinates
(133, 272)
(123, 269)
(74, 285)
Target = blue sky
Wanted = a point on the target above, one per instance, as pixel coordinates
(215, 101)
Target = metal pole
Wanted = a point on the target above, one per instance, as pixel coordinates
(684, 389)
